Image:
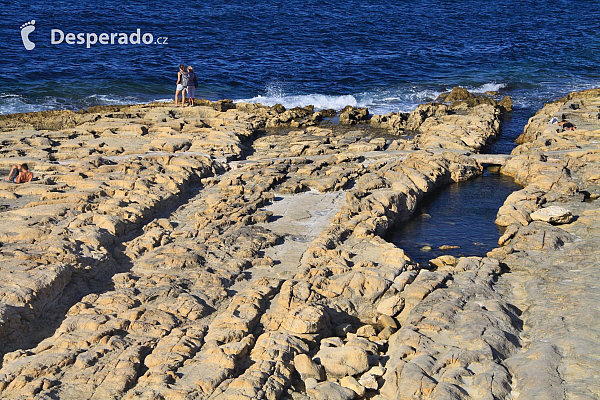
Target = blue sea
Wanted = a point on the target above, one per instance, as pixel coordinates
(387, 56)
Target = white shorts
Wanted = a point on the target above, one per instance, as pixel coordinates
(191, 92)
(180, 87)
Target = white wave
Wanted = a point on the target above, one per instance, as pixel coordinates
(13, 103)
(405, 99)
(320, 101)
(488, 87)
(108, 100)
(377, 101)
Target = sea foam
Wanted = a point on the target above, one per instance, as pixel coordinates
(379, 101)
(487, 87)
(320, 101)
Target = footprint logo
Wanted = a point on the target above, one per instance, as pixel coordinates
(26, 29)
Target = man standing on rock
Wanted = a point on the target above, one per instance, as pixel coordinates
(192, 84)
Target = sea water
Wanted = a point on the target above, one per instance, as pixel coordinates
(460, 216)
(388, 56)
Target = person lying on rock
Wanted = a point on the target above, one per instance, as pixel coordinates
(20, 174)
(566, 125)
(569, 126)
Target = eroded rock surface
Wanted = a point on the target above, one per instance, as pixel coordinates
(144, 263)
(553, 264)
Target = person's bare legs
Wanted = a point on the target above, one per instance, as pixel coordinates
(176, 96)
(14, 171)
(183, 97)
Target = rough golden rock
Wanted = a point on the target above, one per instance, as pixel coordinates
(178, 253)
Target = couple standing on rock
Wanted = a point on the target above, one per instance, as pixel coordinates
(187, 82)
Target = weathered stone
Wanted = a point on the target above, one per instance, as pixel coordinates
(332, 342)
(306, 319)
(366, 344)
(369, 381)
(228, 293)
(331, 391)
(366, 331)
(386, 333)
(553, 214)
(387, 322)
(343, 361)
(307, 368)
(351, 116)
(310, 383)
(442, 261)
(377, 371)
(351, 383)
(506, 103)
(391, 306)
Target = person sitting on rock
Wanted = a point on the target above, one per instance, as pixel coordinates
(20, 174)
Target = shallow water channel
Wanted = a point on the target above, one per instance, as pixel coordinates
(460, 214)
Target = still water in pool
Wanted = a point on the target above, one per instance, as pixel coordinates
(461, 215)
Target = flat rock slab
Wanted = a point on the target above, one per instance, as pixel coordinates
(300, 218)
(553, 215)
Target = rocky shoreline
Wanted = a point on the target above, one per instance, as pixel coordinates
(236, 251)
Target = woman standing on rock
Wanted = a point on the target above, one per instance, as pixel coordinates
(182, 83)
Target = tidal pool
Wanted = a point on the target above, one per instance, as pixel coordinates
(460, 215)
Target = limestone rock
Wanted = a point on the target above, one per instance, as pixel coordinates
(366, 331)
(331, 391)
(506, 103)
(387, 322)
(536, 236)
(367, 345)
(391, 306)
(333, 341)
(377, 371)
(369, 381)
(351, 383)
(553, 214)
(442, 261)
(310, 383)
(306, 319)
(394, 122)
(231, 287)
(351, 115)
(307, 368)
(457, 94)
(343, 361)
